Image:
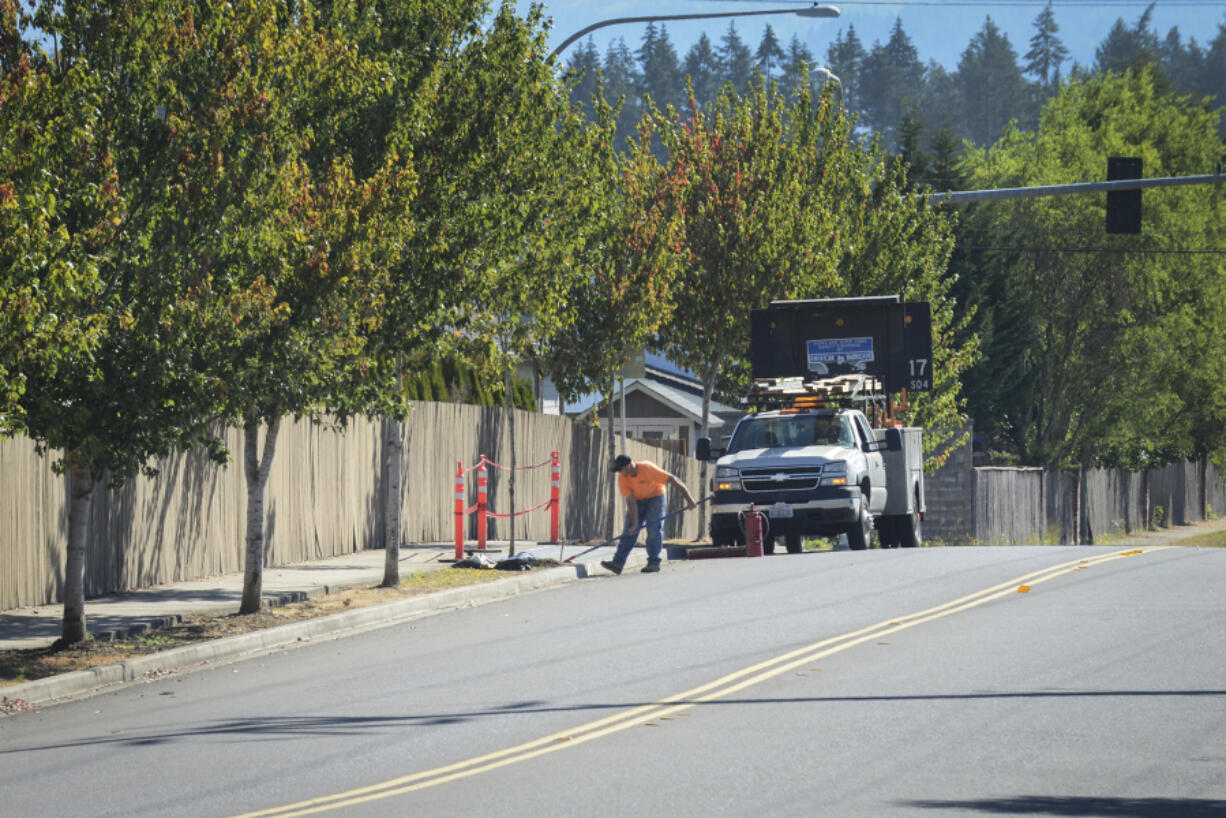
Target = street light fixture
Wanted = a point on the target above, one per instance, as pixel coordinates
(815, 10)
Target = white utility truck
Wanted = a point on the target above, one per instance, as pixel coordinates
(807, 455)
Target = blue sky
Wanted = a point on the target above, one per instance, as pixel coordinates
(940, 29)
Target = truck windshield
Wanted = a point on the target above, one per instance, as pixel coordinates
(792, 430)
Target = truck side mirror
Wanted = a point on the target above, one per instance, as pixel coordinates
(702, 450)
(893, 440)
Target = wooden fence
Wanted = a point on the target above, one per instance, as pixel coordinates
(325, 498)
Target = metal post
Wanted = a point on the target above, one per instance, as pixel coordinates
(481, 521)
(623, 411)
(555, 487)
(459, 510)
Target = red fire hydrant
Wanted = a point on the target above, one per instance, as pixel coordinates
(753, 532)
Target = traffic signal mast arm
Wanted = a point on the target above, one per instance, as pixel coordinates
(963, 196)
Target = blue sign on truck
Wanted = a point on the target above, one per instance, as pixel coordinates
(835, 356)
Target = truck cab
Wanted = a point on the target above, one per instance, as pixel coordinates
(806, 456)
(820, 472)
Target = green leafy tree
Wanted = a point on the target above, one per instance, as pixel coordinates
(51, 166)
(484, 119)
(528, 221)
(145, 106)
(757, 225)
(1110, 343)
(317, 229)
(628, 258)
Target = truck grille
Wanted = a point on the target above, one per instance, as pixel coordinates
(795, 478)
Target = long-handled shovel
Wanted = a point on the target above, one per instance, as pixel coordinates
(642, 525)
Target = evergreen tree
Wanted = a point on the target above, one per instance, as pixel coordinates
(1129, 48)
(893, 76)
(661, 75)
(1183, 63)
(703, 68)
(798, 56)
(911, 146)
(622, 82)
(991, 86)
(945, 160)
(735, 59)
(1047, 52)
(583, 66)
(939, 101)
(1213, 74)
(846, 57)
(769, 55)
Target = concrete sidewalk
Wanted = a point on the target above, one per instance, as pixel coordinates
(131, 612)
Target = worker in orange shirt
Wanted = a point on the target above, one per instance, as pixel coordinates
(643, 484)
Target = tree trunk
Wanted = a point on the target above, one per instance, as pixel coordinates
(256, 468)
(393, 436)
(394, 457)
(612, 438)
(511, 478)
(1076, 532)
(1146, 503)
(708, 387)
(1202, 490)
(81, 487)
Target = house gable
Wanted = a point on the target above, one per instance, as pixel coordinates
(639, 404)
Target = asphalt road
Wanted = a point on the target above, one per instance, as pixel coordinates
(846, 684)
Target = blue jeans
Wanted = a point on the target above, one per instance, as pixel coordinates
(650, 511)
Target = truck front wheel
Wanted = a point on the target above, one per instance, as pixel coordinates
(861, 532)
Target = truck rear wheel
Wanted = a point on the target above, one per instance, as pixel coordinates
(795, 543)
(909, 531)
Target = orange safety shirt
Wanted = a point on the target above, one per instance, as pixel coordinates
(647, 483)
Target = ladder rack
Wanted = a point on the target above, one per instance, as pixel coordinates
(797, 392)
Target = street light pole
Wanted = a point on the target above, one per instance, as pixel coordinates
(809, 11)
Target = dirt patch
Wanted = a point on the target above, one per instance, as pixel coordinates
(17, 666)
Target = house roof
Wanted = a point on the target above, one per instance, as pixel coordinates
(679, 400)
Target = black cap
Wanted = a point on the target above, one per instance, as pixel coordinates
(621, 462)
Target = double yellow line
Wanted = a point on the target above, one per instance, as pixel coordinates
(680, 703)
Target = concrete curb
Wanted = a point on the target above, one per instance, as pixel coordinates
(84, 683)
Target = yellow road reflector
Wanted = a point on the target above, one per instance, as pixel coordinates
(1023, 589)
(563, 738)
